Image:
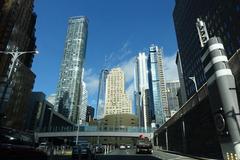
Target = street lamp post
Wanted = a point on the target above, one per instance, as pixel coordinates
(78, 126)
(14, 56)
(194, 81)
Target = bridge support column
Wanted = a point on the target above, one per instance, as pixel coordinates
(166, 136)
(184, 137)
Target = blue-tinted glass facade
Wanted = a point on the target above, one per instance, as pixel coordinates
(155, 85)
(101, 94)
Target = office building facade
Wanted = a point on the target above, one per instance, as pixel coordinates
(172, 91)
(222, 20)
(17, 33)
(69, 86)
(117, 101)
(90, 113)
(83, 103)
(159, 107)
(101, 94)
(182, 96)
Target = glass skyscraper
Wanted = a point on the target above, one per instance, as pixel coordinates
(69, 86)
(159, 106)
(141, 90)
(102, 94)
(83, 103)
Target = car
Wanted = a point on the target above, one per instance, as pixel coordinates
(43, 146)
(76, 150)
(144, 145)
(87, 151)
(99, 148)
(122, 146)
(128, 146)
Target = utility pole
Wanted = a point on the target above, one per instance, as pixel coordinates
(222, 91)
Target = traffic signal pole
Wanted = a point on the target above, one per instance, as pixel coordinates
(222, 92)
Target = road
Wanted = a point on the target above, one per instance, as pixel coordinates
(125, 155)
(129, 154)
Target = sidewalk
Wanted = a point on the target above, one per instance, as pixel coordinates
(170, 156)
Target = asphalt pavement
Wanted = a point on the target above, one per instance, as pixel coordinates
(130, 154)
(127, 154)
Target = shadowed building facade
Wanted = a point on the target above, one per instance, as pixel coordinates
(222, 20)
(17, 32)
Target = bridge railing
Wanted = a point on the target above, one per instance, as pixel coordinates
(98, 129)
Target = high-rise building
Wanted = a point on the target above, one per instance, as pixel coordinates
(101, 94)
(159, 107)
(117, 101)
(172, 91)
(17, 33)
(222, 20)
(69, 86)
(142, 90)
(182, 97)
(89, 113)
(83, 102)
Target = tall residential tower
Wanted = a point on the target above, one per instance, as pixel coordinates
(159, 106)
(142, 90)
(69, 86)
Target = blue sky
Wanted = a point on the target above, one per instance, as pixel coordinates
(118, 30)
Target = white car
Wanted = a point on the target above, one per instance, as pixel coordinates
(43, 146)
(122, 146)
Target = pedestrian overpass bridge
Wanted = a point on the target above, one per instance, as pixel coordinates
(94, 131)
(92, 134)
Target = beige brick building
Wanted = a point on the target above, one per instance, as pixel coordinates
(117, 102)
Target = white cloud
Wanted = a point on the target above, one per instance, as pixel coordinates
(128, 69)
(170, 68)
(124, 51)
(130, 90)
(118, 55)
(91, 79)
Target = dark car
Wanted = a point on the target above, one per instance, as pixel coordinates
(99, 148)
(76, 151)
(87, 151)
